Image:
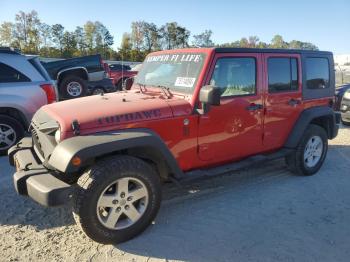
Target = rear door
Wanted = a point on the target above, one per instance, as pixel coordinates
(233, 129)
(283, 97)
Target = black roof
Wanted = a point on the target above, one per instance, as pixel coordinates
(9, 50)
(268, 50)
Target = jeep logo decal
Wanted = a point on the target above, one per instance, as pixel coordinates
(130, 117)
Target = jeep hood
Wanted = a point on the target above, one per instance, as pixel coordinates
(108, 110)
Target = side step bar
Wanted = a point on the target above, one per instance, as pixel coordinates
(248, 162)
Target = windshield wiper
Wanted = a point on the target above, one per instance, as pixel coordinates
(166, 91)
(142, 87)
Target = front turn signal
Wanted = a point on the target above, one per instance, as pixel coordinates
(76, 161)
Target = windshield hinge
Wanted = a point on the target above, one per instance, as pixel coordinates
(76, 127)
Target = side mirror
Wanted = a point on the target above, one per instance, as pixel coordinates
(127, 83)
(209, 95)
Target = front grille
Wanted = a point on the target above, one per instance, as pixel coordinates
(36, 141)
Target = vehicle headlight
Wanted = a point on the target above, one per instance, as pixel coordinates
(58, 136)
(347, 94)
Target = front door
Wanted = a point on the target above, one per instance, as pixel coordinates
(233, 130)
(283, 103)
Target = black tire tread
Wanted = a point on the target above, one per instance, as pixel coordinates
(295, 162)
(90, 178)
(64, 82)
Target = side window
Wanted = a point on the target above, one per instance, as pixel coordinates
(283, 74)
(10, 75)
(115, 67)
(235, 76)
(317, 73)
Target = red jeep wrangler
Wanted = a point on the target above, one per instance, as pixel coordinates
(190, 112)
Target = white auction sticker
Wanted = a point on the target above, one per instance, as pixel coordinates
(185, 81)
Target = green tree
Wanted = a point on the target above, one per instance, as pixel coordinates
(46, 38)
(137, 34)
(57, 32)
(103, 39)
(80, 39)
(174, 36)
(253, 41)
(69, 44)
(6, 33)
(203, 39)
(278, 42)
(243, 42)
(151, 36)
(90, 32)
(125, 47)
(27, 28)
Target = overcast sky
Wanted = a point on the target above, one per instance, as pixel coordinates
(325, 23)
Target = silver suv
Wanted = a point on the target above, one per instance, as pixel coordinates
(25, 86)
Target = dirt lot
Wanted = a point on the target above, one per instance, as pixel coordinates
(260, 214)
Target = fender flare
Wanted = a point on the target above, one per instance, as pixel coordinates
(306, 117)
(70, 69)
(89, 147)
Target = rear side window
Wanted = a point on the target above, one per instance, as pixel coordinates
(38, 66)
(283, 74)
(115, 67)
(235, 76)
(10, 75)
(317, 73)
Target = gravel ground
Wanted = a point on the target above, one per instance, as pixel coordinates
(259, 214)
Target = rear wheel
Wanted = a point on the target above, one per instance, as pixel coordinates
(72, 87)
(310, 153)
(117, 199)
(11, 131)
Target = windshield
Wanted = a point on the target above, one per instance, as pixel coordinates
(178, 72)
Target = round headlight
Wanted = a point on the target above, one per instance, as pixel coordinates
(347, 94)
(58, 136)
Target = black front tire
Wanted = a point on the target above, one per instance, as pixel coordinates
(93, 183)
(16, 126)
(296, 162)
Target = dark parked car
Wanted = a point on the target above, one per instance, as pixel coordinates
(73, 75)
(100, 87)
(339, 93)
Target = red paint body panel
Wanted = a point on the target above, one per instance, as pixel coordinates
(119, 75)
(230, 132)
(226, 133)
(280, 117)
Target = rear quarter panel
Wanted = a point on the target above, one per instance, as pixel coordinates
(26, 97)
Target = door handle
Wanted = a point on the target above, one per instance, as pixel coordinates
(254, 107)
(293, 102)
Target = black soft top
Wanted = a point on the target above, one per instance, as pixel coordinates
(269, 50)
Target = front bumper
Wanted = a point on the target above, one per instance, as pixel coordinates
(34, 180)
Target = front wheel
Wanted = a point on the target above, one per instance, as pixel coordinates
(310, 153)
(117, 199)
